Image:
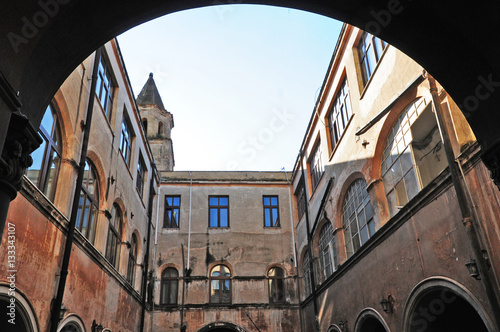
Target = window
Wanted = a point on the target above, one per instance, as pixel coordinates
(328, 255)
(219, 211)
(172, 206)
(145, 125)
(47, 158)
(88, 206)
(114, 236)
(132, 260)
(220, 284)
(370, 49)
(300, 195)
(160, 128)
(307, 274)
(169, 286)
(357, 213)
(316, 165)
(104, 88)
(339, 115)
(126, 140)
(276, 285)
(141, 176)
(271, 211)
(71, 327)
(412, 156)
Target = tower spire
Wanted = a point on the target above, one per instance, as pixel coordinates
(149, 95)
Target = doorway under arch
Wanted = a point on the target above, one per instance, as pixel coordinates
(441, 305)
(221, 327)
(370, 320)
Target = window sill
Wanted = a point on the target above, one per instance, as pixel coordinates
(373, 73)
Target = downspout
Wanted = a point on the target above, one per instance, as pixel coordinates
(57, 302)
(465, 208)
(156, 252)
(189, 216)
(309, 245)
(294, 246)
(148, 243)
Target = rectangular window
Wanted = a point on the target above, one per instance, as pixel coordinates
(339, 115)
(370, 49)
(316, 165)
(104, 88)
(300, 195)
(141, 176)
(172, 208)
(126, 140)
(218, 211)
(271, 211)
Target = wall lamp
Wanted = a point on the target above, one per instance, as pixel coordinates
(96, 328)
(472, 267)
(343, 325)
(387, 304)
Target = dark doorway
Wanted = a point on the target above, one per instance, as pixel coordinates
(371, 325)
(442, 310)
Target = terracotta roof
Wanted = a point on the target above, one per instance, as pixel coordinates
(149, 94)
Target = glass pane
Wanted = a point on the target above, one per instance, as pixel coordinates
(364, 235)
(214, 201)
(213, 218)
(225, 271)
(388, 182)
(36, 167)
(355, 243)
(279, 290)
(392, 203)
(224, 220)
(275, 217)
(223, 201)
(274, 200)
(267, 201)
(48, 121)
(226, 291)
(272, 290)
(169, 201)
(50, 184)
(411, 184)
(173, 291)
(406, 160)
(396, 171)
(371, 227)
(177, 201)
(267, 218)
(401, 193)
(214, 291)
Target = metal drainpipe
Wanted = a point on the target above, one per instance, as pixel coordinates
(189, 216)
(309, 245)
(57, 302)
(293, 242)
(148, 242)
(465, 209)
(155, 253)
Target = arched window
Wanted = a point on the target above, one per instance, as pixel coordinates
(169, 286)
(327, 251)
(114, 236)
(160, 128)
(145, 125)
(413, 141)
(276, 285)
(220, 284)
(132, 260)
(47, 158)
(357, 212)
(307, 273)
(88, 207)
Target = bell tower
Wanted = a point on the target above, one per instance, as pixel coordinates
(158, 124)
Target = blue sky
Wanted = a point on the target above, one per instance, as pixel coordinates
(240, 80)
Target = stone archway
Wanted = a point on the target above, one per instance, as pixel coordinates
(442, 305)
(221, 327)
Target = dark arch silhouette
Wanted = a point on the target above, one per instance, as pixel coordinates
(42, 44)
(221, 327)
